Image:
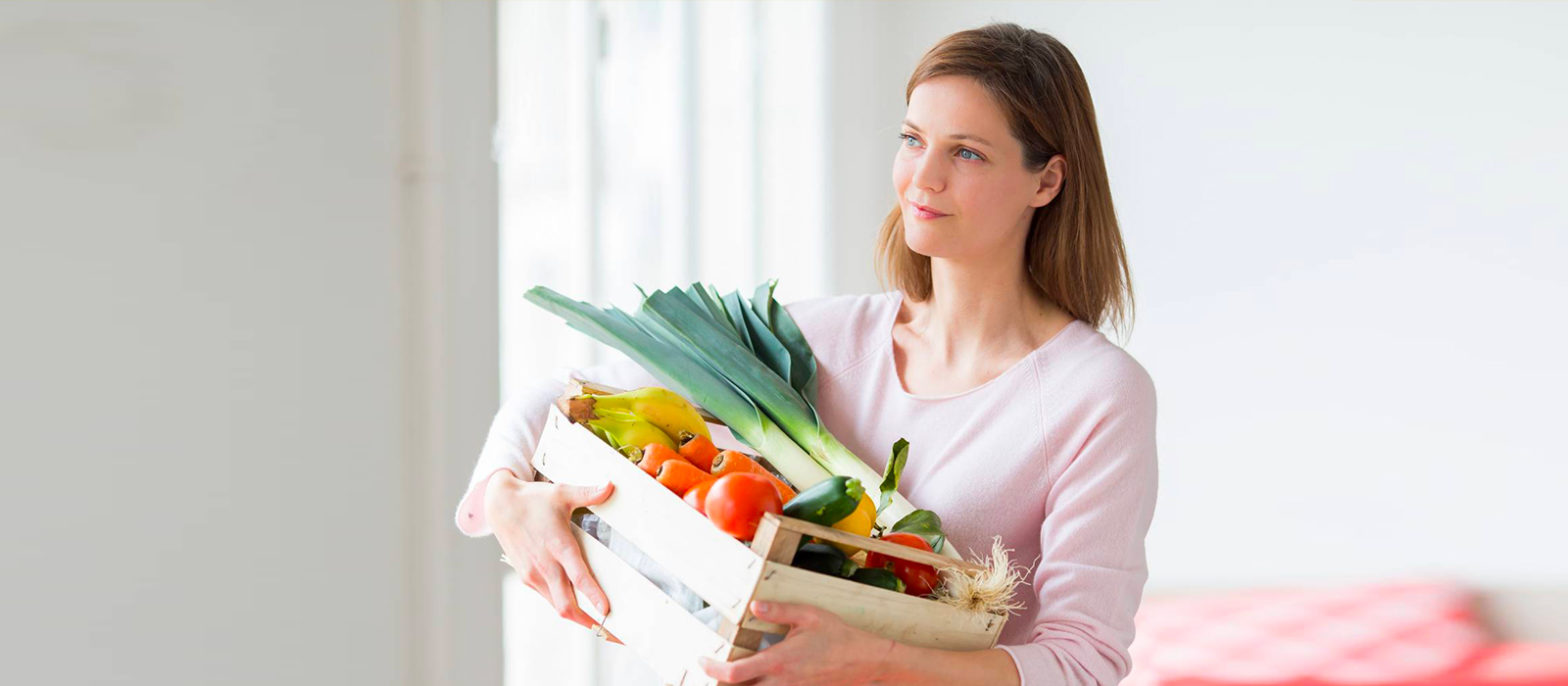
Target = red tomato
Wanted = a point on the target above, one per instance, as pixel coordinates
(736, 503)
(918, 579)
(697, 494)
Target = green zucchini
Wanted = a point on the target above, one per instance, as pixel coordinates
(823, 558)
(882, 578)
(826, 502)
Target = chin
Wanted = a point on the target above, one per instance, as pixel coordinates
(925, 240)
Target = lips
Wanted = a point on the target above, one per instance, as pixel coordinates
(924, 212)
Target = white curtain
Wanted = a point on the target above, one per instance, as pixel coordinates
(652, 144)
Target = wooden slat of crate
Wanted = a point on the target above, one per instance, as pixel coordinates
(868, 544)
(713, 565)
(661, 632)
(903, 618)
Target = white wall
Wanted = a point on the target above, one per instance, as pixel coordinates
(1346, 225)
(249, 343)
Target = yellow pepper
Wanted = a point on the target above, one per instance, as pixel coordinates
(858, 522)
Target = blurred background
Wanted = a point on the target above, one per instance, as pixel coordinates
(263, 260)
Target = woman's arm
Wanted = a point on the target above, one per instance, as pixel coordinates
(907, 664)
(1092, 568)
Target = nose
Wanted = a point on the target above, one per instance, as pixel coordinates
(930, 173)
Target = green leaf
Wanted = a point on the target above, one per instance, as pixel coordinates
(803, 364)
(706, 303)
(767, 346)
(925, 524)
(762, 299)
(890, 475)
(736, 311)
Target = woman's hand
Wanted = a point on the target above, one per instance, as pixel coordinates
(532, 522)
(820, 649)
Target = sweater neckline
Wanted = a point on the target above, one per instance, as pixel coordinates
(898, 381)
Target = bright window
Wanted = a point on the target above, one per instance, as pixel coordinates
(653, 144)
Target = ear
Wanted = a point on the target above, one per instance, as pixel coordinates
(1050, 179)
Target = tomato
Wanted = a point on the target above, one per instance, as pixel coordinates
(736, 503)
(918, 579)
(698, 493)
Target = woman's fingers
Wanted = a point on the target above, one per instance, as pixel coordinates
(583, 496)
(563, 599)
(792, 614)
(535, 536)
(744, 669)
(536, 582)
(577, 570)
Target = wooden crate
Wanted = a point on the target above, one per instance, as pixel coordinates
(727, 573)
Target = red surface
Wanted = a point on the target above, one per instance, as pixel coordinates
(1374, 634)
(1502, 664)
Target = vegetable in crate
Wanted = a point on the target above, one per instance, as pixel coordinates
(858, 523)
(736, 503)
(697, 494)
(653, 456)
(827, 502)
(699, 450)
(826, 559)
(919, 579)
(880, 578)
(680, 476)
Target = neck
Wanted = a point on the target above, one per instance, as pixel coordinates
(979, 309)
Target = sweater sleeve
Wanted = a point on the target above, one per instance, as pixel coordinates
(1092, 564)
(514, 433)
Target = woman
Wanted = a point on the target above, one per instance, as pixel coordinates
(1024, 421)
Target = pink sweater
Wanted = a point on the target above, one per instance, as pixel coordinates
(1056, 455)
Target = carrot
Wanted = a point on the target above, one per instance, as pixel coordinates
(699, 451)
(732, 462)
(654, 455)
(680, 476)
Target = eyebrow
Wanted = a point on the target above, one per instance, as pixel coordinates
(956, 136)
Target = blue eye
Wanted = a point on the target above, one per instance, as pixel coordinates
(906, 139)
(965, 151)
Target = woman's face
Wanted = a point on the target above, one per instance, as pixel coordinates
(958, 158)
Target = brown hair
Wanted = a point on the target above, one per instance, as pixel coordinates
(1074, 252)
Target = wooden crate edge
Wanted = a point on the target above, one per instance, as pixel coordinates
(719, 569)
